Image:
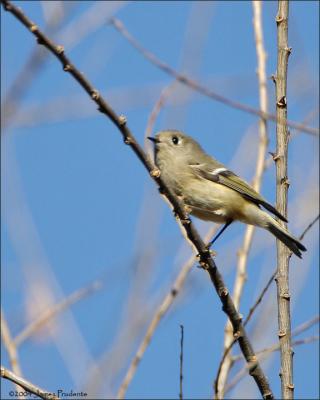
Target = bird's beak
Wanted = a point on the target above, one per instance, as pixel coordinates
(154, 140)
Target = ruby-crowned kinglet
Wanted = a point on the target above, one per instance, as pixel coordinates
(212, 192)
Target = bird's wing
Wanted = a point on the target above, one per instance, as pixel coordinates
(227, 178)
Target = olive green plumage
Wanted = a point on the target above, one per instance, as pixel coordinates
(211, 191)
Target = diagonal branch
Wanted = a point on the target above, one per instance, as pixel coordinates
(205, 259)
(186, 80)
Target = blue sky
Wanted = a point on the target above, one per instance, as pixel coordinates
(78, 207)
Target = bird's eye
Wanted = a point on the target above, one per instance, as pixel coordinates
(175, 140)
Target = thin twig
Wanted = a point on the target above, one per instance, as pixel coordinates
(260, 297)
(205, 259)
(186, 80)
(28, 386)
(53, 311)
(243, 253)
(309, 227)
(282, 182)
(253, 309)
(181, 363)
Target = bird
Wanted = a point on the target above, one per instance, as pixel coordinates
(211, 192)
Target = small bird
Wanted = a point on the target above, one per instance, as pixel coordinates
(212, 192)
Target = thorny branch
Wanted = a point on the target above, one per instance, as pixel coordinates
(205, 259)
(282, 185)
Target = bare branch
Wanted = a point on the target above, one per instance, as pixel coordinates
(206, 261)
(30, 387)
(202, 89)
(282, 182)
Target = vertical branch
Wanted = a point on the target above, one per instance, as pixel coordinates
(181, 363)
(283, 255)
(241, 274)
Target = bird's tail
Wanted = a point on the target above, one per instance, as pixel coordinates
(291, 242)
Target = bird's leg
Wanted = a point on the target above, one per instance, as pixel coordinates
(225, 226)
